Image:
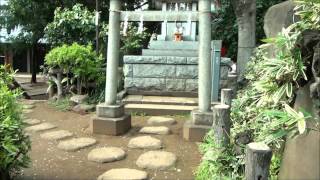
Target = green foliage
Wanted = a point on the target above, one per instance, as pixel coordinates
(263, 108)
(79, 60)
(14, 144)
(225, 24)
(60, 104)
(71, 25)
(133, 42)
(219, 162)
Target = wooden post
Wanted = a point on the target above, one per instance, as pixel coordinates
(222, 124)
(258, 159)
(226, 96)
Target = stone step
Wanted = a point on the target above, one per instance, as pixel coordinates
(163, 100)
(165, 45)
(173, 52)
(158, 109)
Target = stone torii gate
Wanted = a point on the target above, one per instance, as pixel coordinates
(111, 119)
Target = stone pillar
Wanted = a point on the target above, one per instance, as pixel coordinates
(110, 117)
(113, 52)
(204, 55)
(202, 118)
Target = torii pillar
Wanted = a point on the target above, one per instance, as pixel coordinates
(202, 117)
(110, 117)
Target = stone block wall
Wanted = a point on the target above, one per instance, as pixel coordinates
(165, 74)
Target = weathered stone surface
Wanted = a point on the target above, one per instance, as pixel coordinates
(145, 83)
(224, 71)
(202, 118)
(144, 59)
(277, 17)
(176, 84)
(29, 106)
(192, 85)
(56, 135)
(124, 174)
(32, 121)
(161, 130)
(76, 144)
(111, 111)
(153, 71)
(192, 60)
(157, 160)
(161, 121)
(78, 99)
(106, 154)
(145, 142)
(176, 60)
(187, 71)
(27, 111)
(40, 127)
(128, 70)
(83, 108)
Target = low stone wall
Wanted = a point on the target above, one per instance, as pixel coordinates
(165, 74)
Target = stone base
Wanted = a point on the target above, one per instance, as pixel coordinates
(110, 126)
(195, 133)
(202, 118)
(110, 111)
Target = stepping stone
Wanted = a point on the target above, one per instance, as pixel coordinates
(160, 130)
(106, 154)
(40, 127)
(145, 142)
(27, 111)
(157, 160)
(124, 174)
(76, 144)
(32, 121)
(161, 121)
(28, 106)
(56, 135)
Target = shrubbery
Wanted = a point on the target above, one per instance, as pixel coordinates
(14, 144)
(263, 110)
(75, 64)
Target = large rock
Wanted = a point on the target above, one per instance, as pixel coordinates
(124, 174)
(145, 142)
(76, 144)
(157, 160)
(83, 108)
(78, 99)
(106, 154)
(277, 17)
(159, 130)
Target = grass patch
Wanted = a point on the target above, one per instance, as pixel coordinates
(60, 104)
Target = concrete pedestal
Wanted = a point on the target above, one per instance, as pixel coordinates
(197, 128)
(195, 133)
(110, 120)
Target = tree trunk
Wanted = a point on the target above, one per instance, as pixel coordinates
(245, 11)
(33, 65)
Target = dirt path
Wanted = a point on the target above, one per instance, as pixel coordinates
(50, 163)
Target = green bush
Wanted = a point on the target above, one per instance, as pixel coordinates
(79, 60)
(14, 144)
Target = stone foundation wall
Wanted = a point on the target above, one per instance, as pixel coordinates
(165, 74)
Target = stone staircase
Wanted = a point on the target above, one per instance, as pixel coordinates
(159, 105)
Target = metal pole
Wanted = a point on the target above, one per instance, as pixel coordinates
(204, 55)
(113, 52)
